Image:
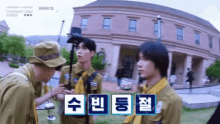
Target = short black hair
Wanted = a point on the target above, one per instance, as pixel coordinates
(88, 43)
(188, 69)
(157, 53)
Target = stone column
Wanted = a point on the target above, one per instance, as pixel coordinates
(115, 59)
(170, 64)
(187, 64)
(203, 71)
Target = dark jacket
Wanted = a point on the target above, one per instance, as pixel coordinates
(190, 76)
(120, 73)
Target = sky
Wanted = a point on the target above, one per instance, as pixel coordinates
(49, 22)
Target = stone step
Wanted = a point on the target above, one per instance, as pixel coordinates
(215, 92)
(198, 101)
(204, 90)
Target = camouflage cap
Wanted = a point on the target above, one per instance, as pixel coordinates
(47, 53)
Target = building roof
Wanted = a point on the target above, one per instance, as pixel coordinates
(4, 24)
(143, 5)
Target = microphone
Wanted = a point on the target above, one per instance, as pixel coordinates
(75, 35)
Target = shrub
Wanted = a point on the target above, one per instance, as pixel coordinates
(96, 61)
(213, 71)
(66, 54)
(13, 65)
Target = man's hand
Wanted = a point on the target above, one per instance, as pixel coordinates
(60, 97)
(72, 91)
(58, 89)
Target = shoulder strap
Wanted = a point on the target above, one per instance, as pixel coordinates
(91, 78)
(89, 91)
(16, 73)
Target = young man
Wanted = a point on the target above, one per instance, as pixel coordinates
(17, 92)
(119, 74)
(190, 78)
(85, 50)
(152, 64)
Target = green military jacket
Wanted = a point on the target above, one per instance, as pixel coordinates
(96, 87)
(17, 97)
(168, 110)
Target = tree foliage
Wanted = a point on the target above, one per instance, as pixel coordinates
(3, 42)
(29, 51)
(12, 44)
(214, 69)
(17, 45)
(66, 54)
(96, 61)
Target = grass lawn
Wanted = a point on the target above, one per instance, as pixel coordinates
(189, 116)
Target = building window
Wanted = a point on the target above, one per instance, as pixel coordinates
(155, 28)
(179, 33)
(210, 42)
(107, 23)
(133, 25)
(197, 38)
(84, 22)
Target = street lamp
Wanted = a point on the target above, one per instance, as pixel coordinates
(159, 28)
(60, 31)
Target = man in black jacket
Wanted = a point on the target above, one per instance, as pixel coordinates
(119, 74)
(190, 78)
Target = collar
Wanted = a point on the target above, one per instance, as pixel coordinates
(155, 89)
(79, 69)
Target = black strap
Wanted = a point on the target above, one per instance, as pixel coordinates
(89, 91)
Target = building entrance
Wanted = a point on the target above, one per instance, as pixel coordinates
(128, 66)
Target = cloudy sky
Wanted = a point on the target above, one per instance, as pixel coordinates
(48, 22)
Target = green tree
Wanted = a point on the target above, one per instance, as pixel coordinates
(214, 70)
(66, 54)
(3, 43)
(97, 62)
(29, 51)
(16, 45)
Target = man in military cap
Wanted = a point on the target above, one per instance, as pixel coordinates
(152, 64)
(17, 92)
(81, 71)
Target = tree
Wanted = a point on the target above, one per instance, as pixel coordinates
(29, 51)
(97, 62)
(65, 54)
(16, 45)
(3, 43)
(214, 70)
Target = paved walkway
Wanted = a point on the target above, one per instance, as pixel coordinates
(5, 68)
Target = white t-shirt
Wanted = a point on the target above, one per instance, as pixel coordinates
(173, 78)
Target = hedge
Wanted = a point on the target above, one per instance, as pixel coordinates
(13, 65)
